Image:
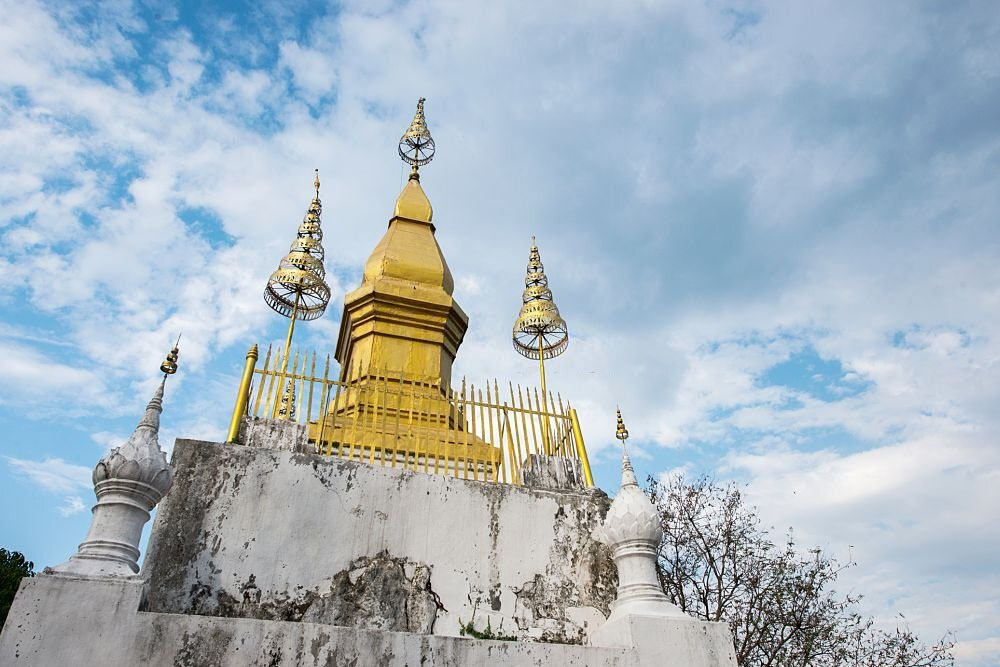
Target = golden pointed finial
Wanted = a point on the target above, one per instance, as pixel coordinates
(539, 330)
(416, 147)
(628, 472)
(621, 433)
(169, 365)
(297, 289)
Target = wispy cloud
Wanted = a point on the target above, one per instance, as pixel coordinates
(71, 505)
(53, 474)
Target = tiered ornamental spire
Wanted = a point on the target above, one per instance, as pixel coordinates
(416, 147)
(539, 331)
(621, 433)
(297, 289)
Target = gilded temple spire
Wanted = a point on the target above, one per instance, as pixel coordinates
(391, 399)
(416, 147)
(539, 331)
(621, 433)
(297, 289)
(169, 365)
(403, 317)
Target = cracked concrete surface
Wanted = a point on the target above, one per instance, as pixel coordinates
(252, 532)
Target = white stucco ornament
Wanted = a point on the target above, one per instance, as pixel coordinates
(632, 516)
(140, 459)
(128, 482)
(632, 530)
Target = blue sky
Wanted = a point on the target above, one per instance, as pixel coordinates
(772, 228)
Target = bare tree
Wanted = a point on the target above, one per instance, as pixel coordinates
(718, 563)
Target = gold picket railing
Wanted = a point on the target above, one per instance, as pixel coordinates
(483, 433)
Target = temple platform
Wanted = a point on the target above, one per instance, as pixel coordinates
(262, 556)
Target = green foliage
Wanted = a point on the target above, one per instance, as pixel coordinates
(469, 630)
(13, 568)
(717, 562)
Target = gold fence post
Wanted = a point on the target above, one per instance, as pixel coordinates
(581, 450)
(243, 397)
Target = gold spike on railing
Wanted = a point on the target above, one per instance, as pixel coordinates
(300, 382)
(580, 448)
(309, 401)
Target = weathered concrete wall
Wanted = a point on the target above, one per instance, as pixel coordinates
(288, 436)
(59, 620)
(259, 533)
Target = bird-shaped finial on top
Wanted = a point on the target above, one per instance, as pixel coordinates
(416, 147)
(169, 365)
(621, 432)
(316, 184)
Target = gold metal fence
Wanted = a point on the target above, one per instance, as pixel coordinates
(484, 433)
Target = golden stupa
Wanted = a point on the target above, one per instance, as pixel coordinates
(401, 330)
(392, 402)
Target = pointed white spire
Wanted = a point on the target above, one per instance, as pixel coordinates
(140, 459)
(632, 530)
(628, 473)
(128, 482)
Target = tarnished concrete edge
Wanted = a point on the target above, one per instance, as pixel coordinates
(181, 443)
(91, 621)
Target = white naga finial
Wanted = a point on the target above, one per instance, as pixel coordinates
(129, 481)
(632, 531)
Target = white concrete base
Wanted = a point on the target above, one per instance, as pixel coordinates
(663, 641)
(88, 622)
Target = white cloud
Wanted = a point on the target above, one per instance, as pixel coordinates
(53, 474)
(106, 440)
(978, 651)
(71, 505)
